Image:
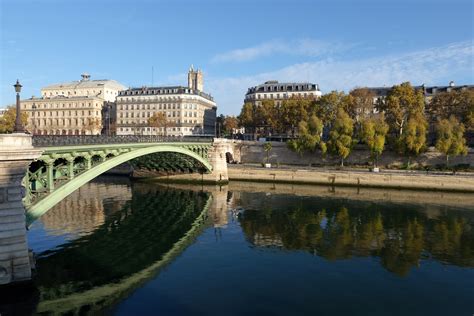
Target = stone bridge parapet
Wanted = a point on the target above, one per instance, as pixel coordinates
(16, 154)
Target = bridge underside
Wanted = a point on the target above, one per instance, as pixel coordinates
(60, 171)
(169, 162)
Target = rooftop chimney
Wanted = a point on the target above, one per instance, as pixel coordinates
(85, 77)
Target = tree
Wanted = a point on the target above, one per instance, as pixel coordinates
(401, 102)
(373, 133)
(267, 147)
(159, 120)
(92, 124)
(309, 137)
(450, 138)
(457, 103)
(329, 104)
(230, 124)
(293, 111)
(269, 115)
(360, 104)
(247, 117)
(413, 140)
(296, 145)
(7, 121)
(340, 136)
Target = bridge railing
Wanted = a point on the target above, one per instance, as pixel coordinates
(72, 140)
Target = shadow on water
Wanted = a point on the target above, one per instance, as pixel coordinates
(95, 271)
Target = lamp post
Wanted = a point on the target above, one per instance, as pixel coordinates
(18, 126)
(109, 107)
(33, 107)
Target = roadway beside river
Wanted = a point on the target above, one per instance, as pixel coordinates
(434, 181)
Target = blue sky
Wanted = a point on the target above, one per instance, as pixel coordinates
(338, 44)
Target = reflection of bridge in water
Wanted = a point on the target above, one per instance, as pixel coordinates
(128, 249)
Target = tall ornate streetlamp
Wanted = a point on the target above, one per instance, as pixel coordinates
(18, 126)
(33, 107)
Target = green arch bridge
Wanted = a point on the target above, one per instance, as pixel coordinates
(67, 163)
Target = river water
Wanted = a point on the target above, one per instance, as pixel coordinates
(123, 248)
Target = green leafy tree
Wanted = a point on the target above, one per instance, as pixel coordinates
(373, 133)
(450, 138)
(7, 121)
(340, 136)
(309, 137)
(401, 102)
(413, 140)
(267, 147)
(297, 146)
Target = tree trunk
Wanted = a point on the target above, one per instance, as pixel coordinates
(447, 161)
(342, 161)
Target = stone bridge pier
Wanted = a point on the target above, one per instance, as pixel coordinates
(218, 156)
(16, 153)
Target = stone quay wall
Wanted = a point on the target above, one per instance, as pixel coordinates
(395, 180)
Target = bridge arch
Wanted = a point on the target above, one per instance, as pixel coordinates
(40, 207)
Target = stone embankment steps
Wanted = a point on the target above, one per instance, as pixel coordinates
(462, 182)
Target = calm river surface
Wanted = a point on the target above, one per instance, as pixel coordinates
(124, 248)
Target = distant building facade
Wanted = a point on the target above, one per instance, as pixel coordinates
(274, 90)
(428, 91)
(71, 108)
(188, 110)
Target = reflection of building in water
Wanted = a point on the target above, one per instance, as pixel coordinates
(85, 209)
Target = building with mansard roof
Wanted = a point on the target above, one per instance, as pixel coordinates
(188, 110)
(83, 107)
(277, 91)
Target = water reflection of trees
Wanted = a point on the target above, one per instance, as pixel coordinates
(399, 235)
(130, 240)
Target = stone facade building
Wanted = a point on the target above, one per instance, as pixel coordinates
(428, 91)
(71, 108)
(273, 90)
(188, 110)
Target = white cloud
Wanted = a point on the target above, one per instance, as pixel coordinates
(304, 47)
(430, 66)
